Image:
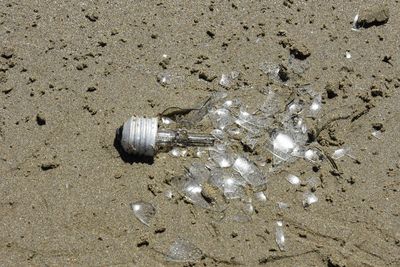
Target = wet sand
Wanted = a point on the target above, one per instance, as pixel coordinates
(72, 72)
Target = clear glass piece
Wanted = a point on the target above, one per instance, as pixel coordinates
(293, 179)
(143, 211)
(183, 251)
(280, 236)
(309, 198)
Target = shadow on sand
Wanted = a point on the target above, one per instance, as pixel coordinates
(127, 157)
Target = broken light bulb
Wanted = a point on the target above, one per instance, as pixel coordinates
(141, 136)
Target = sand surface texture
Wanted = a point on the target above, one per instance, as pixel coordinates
(71, 72)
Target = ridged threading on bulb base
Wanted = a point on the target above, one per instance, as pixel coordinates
(139, 136)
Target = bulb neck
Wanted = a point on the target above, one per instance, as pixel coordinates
(169, 138)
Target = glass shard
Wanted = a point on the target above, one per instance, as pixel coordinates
(315, 106)
(192, 192)
(230, 184)
(199, 172)
(167, 121)
(293, 179)
(309, 198)
(312, 155)
(260, 196)
(222, 158)
(220, 118)
(143, 211)
(249, 172)
(178, 152)
(341, 152)
(283, 143)
(183, 251)
(280, 236)
(217, 133)
(282, 205)
(190, 189)
(164, 78)
(227, 79)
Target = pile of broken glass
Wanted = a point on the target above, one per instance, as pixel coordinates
(251, 144)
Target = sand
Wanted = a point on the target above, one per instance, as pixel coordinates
(71, 72)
